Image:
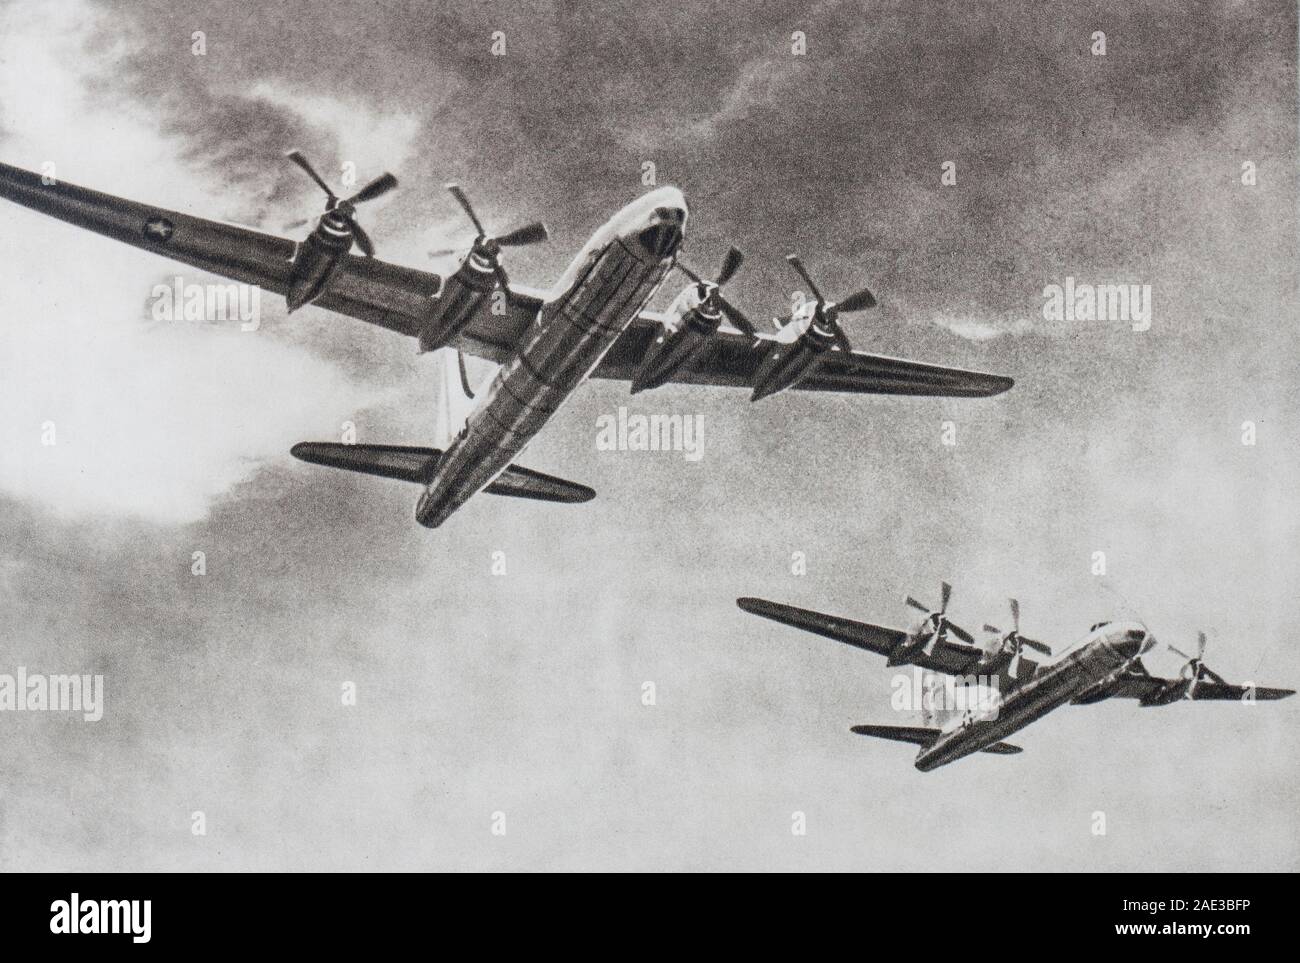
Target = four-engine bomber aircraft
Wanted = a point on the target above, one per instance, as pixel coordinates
(592, 323)
(1104, 664)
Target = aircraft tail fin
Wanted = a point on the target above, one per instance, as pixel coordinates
(455, 402)
(925, 736)
(410, 464)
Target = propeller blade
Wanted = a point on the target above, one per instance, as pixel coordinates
(379, 186)
(463, 200)
(917, 605)
(1035, 645)
(1015, 615)
(464, 375)
(736, 317)
(362, 238)
(803, 273)
(297, 224)
(301, 161)
(730, 265)
(840, 337)
(445, 251)
(992, 628)
(857, 302)
(528, 234)
(1177, 651)
(1200, 645)
(690, 274)
(945, 595)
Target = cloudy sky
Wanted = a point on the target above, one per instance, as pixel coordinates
(521, 693)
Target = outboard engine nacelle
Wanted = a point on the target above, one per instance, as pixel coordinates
(811, 331)
(792, 358)
(317, 258)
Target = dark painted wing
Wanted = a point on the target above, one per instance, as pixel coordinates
(922, 736)
(947, 657)
(389, 295)
(917, 735)
(1226, 690)
(1140, 686)
(1132, 685)
(734, 359)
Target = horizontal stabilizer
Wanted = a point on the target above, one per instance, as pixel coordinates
(526, 483)
(922, 736)
(1002, 749)
(917, 735)
(411, 464)
(387, 461)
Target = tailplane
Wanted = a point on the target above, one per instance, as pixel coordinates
(418, 465)
(924, 737)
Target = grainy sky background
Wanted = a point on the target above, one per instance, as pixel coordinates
(521, 693)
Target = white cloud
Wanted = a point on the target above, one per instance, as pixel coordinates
(374, 140)
(975, 330)
(152, 420)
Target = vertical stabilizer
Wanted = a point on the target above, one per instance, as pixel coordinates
(454, 405)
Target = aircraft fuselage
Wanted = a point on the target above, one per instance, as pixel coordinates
(1106, 652)
(603, 290)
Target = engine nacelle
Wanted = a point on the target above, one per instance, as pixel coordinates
(457, 302)
(692, 325)
(1173, 691)
(793, 354)
(316, 260)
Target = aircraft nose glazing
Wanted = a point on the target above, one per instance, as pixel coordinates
(664, 234)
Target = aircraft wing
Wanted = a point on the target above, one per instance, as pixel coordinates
(388, 295)
(947, 657)
(1139, 685)
(925, 737)
(1226, 690)
(733, 359)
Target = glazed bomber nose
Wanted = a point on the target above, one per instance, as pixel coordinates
(664, 234)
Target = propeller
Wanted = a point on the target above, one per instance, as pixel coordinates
(346, 209)
(945, 594)
(939, 618)
(712, 296)
(1014, 637)
(486, 245)
(935, 615)
(1195, 669)
(827, 313)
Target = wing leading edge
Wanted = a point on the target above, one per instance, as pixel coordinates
(398, 298)
(401, 299)
(734, 359)
(1154, 691)
(924, 737)
(947, 657)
